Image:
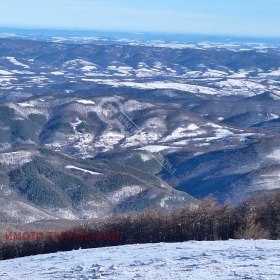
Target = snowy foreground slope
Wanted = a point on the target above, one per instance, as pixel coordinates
(189, 260)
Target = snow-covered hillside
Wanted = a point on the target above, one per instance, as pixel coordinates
(234, 259)
(201, 68)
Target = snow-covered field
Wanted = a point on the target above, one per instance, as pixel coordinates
(234, 259)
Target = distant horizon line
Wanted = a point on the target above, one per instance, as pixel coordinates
(139, 32)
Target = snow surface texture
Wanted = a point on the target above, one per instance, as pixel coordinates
(233, 259)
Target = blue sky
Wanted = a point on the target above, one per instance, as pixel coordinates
(225, 17)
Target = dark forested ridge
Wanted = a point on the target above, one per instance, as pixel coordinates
(256, 218)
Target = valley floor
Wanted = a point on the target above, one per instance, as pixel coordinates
(233, 259)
